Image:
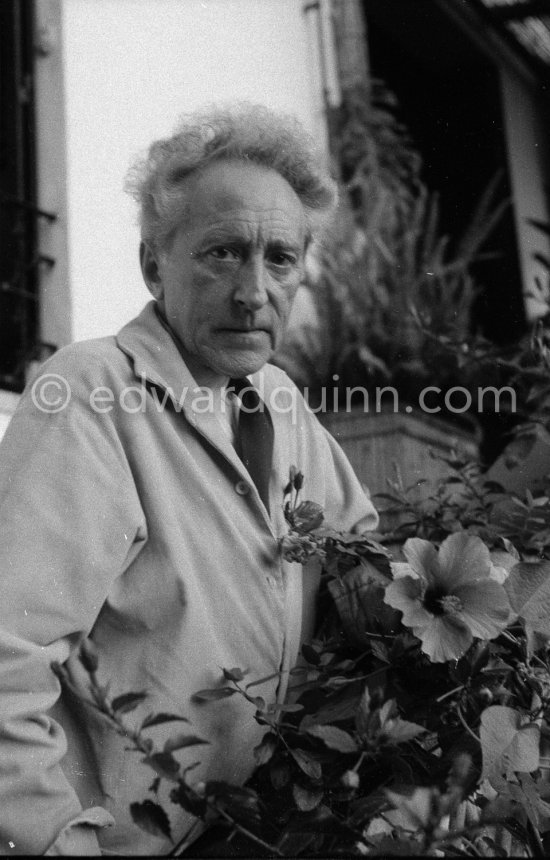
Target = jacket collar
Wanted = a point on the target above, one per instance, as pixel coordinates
(155, 356)
(156, 359)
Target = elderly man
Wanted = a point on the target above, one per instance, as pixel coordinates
(136, 513)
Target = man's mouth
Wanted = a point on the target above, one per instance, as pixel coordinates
(245, 338)
(245, 330)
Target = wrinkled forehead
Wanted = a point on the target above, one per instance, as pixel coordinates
(231, 189)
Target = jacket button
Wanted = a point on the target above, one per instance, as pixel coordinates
(242, 488)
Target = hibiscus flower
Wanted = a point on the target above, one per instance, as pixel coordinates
(450, 596)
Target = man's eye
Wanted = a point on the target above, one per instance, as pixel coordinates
(283, 260)
(224, 254)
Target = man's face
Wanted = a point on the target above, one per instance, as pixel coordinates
(228, 279)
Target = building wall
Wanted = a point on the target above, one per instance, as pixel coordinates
(527, 136)
(118, 75)
(8, 402)
(112, 76)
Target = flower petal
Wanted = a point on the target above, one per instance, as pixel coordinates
(463, 558)
(400, 569)
(498, 574)
(502, 563)
(422, 557)
(485, 608)
(405, 594)
(446, 638)
(502, 558)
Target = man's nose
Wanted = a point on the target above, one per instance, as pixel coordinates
(251, 292)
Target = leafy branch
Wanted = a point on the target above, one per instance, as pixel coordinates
(206, 800)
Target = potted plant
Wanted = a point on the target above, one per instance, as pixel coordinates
(389, 294)
(420, 716)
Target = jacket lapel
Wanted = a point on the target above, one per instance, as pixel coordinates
(157, 360)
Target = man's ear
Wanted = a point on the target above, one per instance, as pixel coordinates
(150, 271)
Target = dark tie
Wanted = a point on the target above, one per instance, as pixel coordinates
(254, 443)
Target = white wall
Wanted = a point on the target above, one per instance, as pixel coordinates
(130, 68)
(8, 402)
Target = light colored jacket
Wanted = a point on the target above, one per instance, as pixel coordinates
(128, 516)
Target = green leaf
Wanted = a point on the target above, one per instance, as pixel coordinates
(311, 655)
(240, 802)
(527, 794)
(387, 712)
(264, 751)
(340, 707)
(363, 713)
(214, 695)
(233, 674)
(157, 719)
(307, 516)
(147, 746)
(184, 796)
(265, 719)
(179, 742)
(286, 708)
(337, 681)
(538, 811)
(363, 809)
(279, 774)
(359, 598)
(220, 790)
(388, 846)
(380, 651)
(310, 766)
(334, 738)
(155, 785)
(295, 844)
(508, 742)
(528, 589)
(414, 810)
(399, 731)
(164, 764)
(151, 817)
(319, 820)
(127, 702)
(537, 808)
(306, 799)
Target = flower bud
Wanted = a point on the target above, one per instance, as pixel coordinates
(350, 779)
(298, 481)
(200, 788)
(485, 696)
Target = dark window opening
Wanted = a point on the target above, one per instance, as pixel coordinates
(449, 97)
(19, 257)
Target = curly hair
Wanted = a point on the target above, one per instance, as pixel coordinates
(246, 132)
